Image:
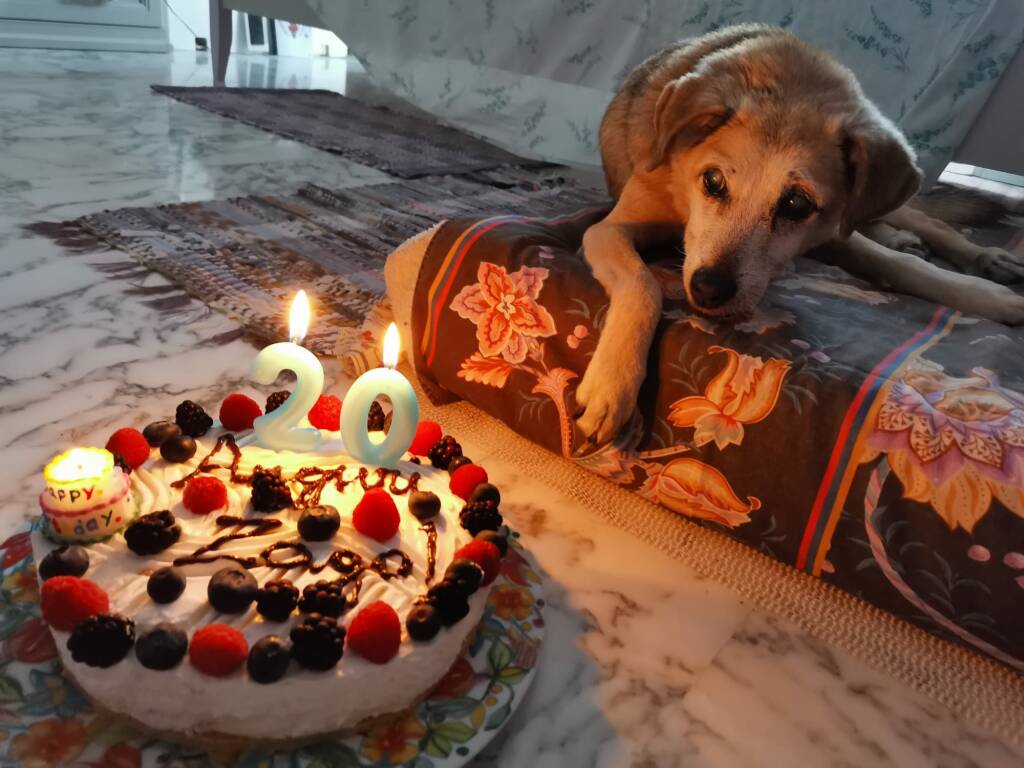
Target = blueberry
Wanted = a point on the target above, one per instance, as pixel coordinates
(159, 432)
(495, 537)
(465, 574)
(162, 647)
(485, 492)
(458, 461)
(165, 584)
(319, 523)
(423, 622)
(448, 598)
(66, 560)
(178, 449)
(232, 589)
(424, 504)
(268, 659)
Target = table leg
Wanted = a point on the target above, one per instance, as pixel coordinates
(220, 39)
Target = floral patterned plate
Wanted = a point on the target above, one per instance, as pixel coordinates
(45, 722)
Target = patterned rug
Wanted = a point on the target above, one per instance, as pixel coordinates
(247, 256)
(403, 145)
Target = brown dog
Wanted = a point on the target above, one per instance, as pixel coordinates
(753, 148)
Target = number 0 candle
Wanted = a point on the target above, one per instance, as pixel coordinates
(405, 411)
(279, 430)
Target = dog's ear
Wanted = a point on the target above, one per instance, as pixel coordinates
(687, 112)
(881, 173)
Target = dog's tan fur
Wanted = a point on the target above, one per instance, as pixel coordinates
(776, 118)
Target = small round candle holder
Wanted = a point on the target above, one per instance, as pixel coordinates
(87, 497)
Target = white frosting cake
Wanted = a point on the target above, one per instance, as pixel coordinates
(303, 703)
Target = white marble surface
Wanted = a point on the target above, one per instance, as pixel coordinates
(644, 663)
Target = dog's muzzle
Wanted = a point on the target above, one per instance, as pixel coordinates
(712, 287)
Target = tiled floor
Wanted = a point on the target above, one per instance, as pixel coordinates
(644, 664)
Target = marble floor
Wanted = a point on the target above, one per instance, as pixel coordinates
(644, 663)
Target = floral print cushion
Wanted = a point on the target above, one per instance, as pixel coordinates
(871, 439)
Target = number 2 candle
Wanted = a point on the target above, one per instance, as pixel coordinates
(405, 411)
(279, 430)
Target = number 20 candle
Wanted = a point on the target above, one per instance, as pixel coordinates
(405, 411)
(279, 430)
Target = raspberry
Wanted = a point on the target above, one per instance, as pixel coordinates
(238, 412)
(376, 515)
(131, 445)
(204, 494)
(276, 399)
(193, 420)
(69, 600)
(375, 633)
(427, 433)
(485, 554)
(218, 650)
(443, 451)
(465, 479)
(326, 413)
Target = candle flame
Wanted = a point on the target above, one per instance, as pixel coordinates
(390, 356)
(298, 321)
(79, 464)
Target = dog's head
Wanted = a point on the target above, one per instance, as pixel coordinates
(770, 152)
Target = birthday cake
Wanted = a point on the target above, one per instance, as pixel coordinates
(216, 591)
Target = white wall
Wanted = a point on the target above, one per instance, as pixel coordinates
(196, 13)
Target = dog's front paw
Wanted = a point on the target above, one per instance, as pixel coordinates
(999, 266)
(1006, 307)
(606, 399)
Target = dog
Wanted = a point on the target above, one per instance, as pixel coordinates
(752, 147)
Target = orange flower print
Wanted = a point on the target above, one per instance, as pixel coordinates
(21, 586)
(744, 392)
(509, 601)
(49, 743)
(394, 743)
(505, 310)
(693, 488)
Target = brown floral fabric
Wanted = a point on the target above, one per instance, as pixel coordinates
(870, 439)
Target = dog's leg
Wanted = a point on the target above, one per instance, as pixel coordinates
(607, 394)
(908, 274)
(988, 262)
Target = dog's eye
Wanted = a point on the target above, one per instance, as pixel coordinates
(794, 206)
(714, 182)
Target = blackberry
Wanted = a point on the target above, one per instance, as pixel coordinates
(120, 462)
(277, 599)
(449, 600)
(375, 419)
(443, 451)
(269, 490)
(317, 642)
(268, 659)
(65, 560)
(152, 533)
(458, 461)
(325, 597)
(479, 516)
(102, 640)
(276, 399)
(193, 420)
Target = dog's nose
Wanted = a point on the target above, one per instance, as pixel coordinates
(711, 287)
